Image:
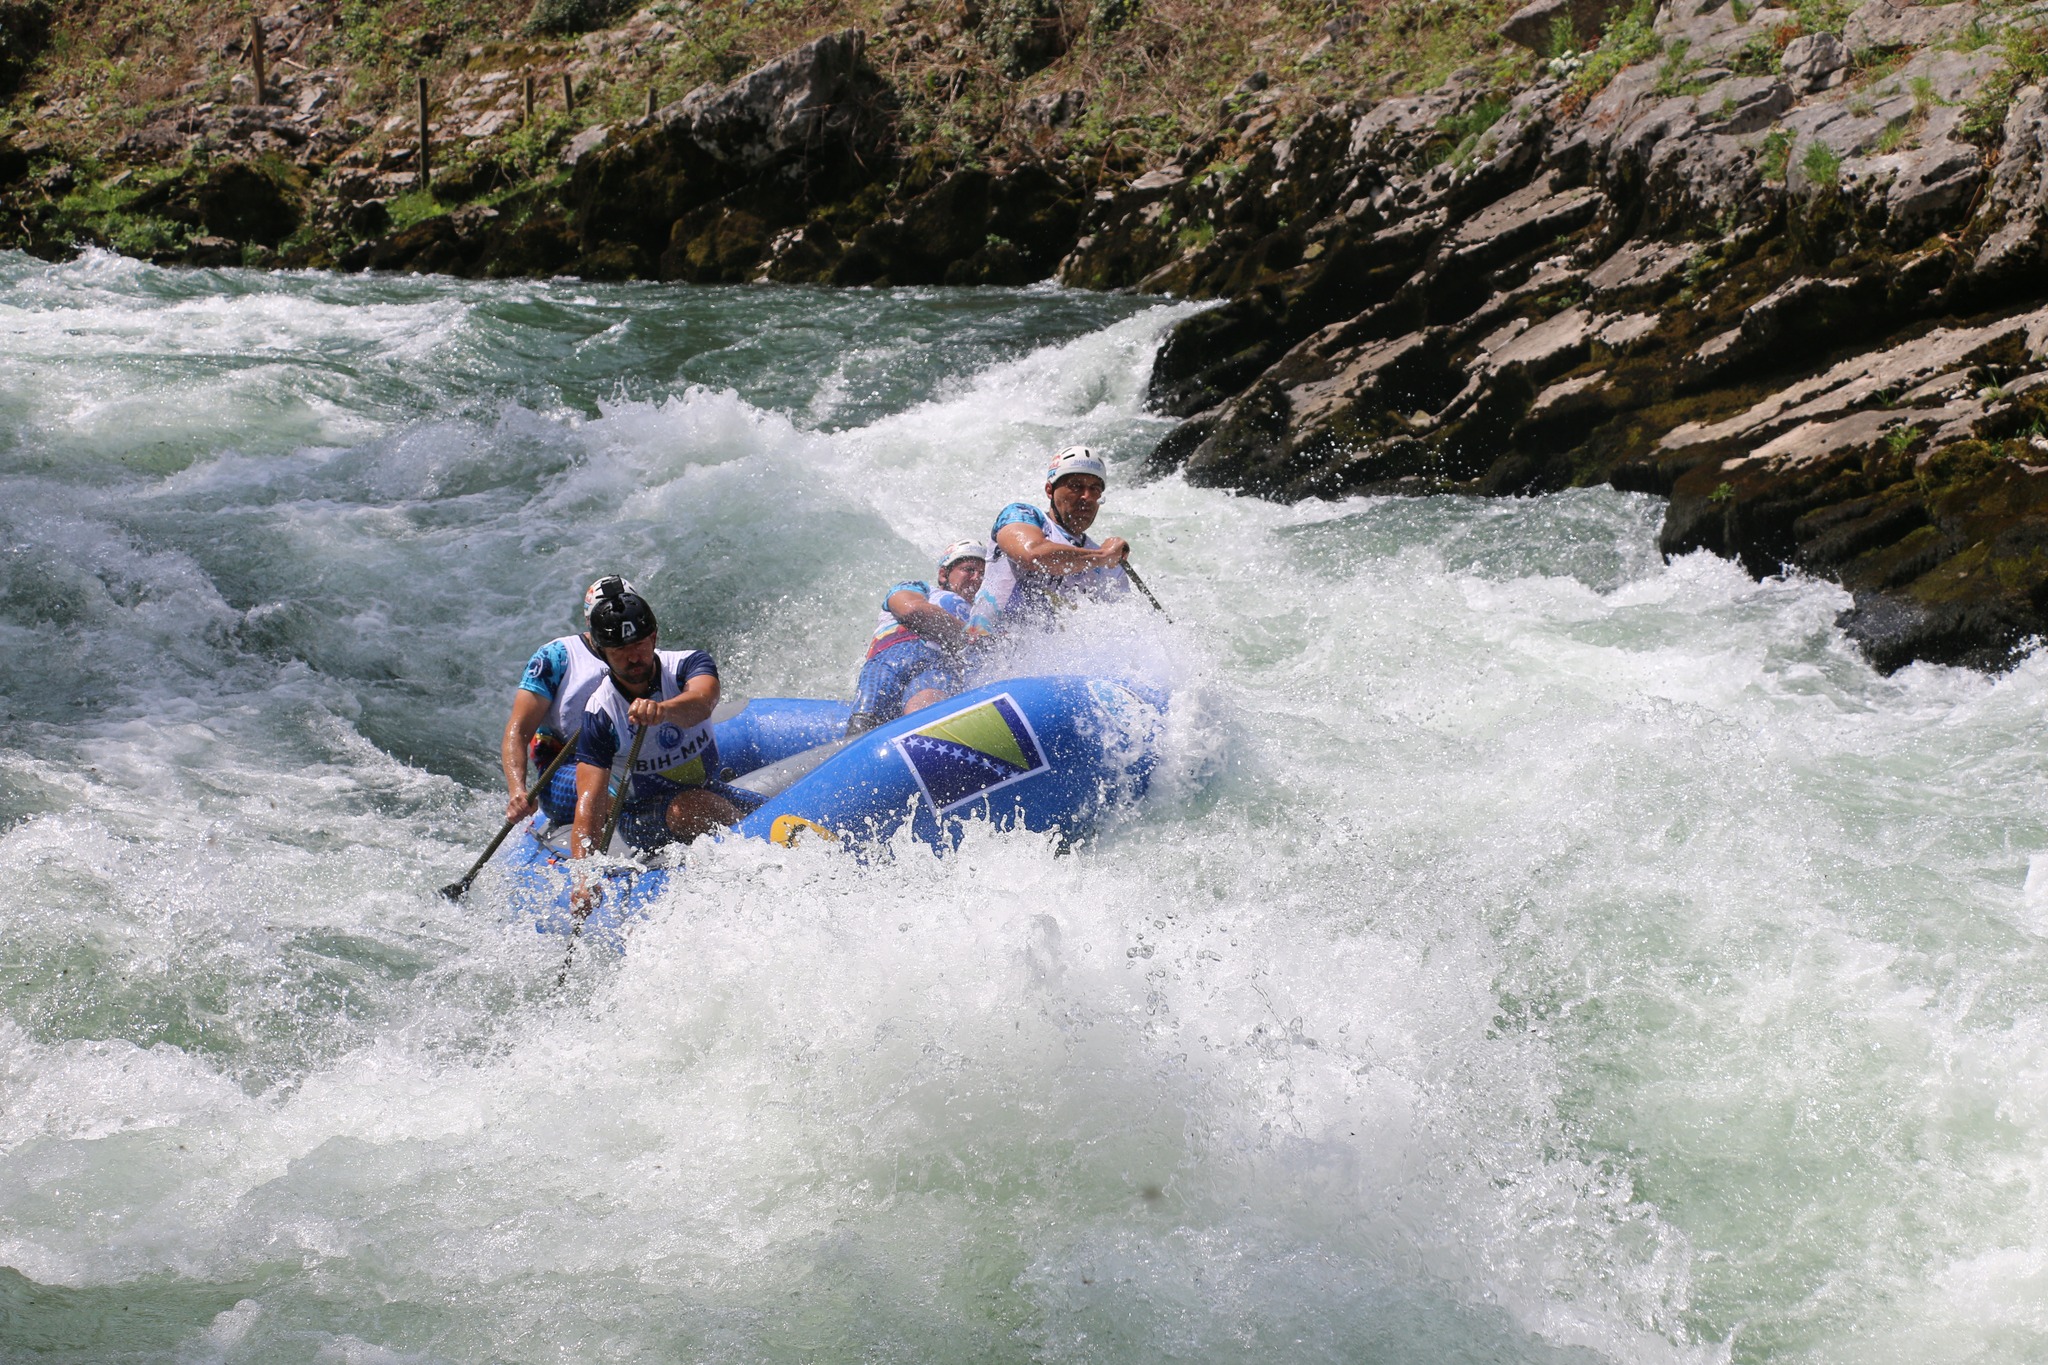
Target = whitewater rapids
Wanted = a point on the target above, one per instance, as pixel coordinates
(1531, 951)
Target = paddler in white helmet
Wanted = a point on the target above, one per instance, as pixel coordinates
(914, 656)
(1044, 560)
(547, 711)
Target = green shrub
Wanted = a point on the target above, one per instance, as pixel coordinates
(559, 18)
(1563, 39)
(1822, 164)
(1110, 15)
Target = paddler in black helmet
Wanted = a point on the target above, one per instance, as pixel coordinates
(672, 793)
(1044, 559)
(547, 709)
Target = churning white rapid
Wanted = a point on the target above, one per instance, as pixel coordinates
(1531, 951)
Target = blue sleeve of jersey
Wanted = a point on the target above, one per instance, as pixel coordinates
(695, 664)
(545, 670)
(1014, 513)
(599, 744)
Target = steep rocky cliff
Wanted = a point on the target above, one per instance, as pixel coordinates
(1792, 279)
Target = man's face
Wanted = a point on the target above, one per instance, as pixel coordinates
(1075, 500)
(633, 665)
(963, 577)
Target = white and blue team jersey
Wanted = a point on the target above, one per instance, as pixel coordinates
(565, 673)
(890, 632)
(672, 756)
(1009, 594)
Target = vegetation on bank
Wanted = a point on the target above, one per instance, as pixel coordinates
(1153, 77)
(1101, 88)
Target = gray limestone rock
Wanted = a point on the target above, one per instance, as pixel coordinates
(1743, 104)
(1817, 61)
(1894, 23)
(584, 143)
(1864, 379)
(773, 111)
(1532, 25)
(1639, 265)
(2017, 198)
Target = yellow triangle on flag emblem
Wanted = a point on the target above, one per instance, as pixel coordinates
(983, 729)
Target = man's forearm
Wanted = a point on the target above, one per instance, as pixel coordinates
(512, 757)
(938, 625)
(1054, 558)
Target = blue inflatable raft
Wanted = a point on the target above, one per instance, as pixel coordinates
(1049, 754)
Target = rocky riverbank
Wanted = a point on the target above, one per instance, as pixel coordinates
(1784, 266)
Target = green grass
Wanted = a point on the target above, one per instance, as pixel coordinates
(415, 206)
(2025, 50)
(1823, 16)
(1774, 156)
(1674, 77)
(1459, 135)
(1195, 236)
(1629, 39)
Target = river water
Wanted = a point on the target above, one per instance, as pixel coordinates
(1532, 950)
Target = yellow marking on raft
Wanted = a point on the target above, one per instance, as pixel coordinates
(787, 828)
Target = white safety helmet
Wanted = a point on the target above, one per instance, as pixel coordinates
(593, 592)
(1075, 460)
(959, 550)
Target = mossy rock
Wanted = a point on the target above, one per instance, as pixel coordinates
(24, 30)
(248, 202)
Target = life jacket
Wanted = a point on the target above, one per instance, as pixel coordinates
(1010, 593)
(566, 672)
(890, 632)
(671, 756)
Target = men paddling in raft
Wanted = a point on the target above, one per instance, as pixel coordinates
(914, 658)
(1044, 560)
(547, 710)
(663, 698)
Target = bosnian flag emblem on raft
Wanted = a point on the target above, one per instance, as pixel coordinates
(972, 752)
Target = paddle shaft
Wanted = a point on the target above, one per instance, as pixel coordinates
(611, 819)
(453, 891)
(1139, 584)
(581, 912)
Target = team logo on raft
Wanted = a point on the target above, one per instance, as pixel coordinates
(972, 752)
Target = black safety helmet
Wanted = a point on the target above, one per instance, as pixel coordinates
(620, 616)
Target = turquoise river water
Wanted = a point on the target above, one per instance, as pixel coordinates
(1531, 950)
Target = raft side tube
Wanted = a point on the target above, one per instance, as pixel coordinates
(1046, 754)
